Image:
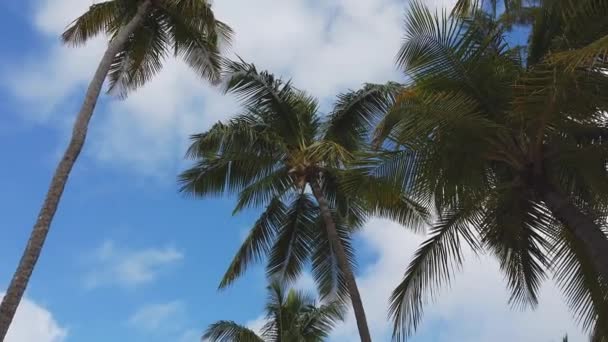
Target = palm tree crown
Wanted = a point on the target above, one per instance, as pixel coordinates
(273, 154)
(290, 316)
(186, 28)
(509, 145)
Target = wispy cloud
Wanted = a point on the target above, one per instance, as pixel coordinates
(111, 265)
(161, 317)
(167, 321)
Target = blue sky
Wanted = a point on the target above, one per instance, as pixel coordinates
(128, 258)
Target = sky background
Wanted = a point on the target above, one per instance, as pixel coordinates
(130, 259)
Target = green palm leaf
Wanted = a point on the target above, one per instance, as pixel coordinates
(140, 59)
(229, 331)
(355, 112)
(98, 19)
(292, 247)
(431, 268)
(258, 243)
(326, 270)
(516, 230)
(586, 296)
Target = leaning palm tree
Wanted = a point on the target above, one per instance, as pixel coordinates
(290, 316)
(142, 33)
(275, 155)
(511, 149)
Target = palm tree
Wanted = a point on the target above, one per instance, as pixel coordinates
(277, 151)
(510, 147)
(290, 316)
(142, 34)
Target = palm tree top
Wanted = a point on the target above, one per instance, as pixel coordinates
(271, 153)
(184, 28)
(290, 315)
(279, 140)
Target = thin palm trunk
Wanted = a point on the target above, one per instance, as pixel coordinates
(581, 225)
(335, 242)
(18, 284)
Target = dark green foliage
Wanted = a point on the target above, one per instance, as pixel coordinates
(290, 316)
(186, 28)
(269, 154)
(480, 135)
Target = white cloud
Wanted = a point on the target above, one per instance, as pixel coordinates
(474, 309)
(111, 265)
(33, 323)
(325, 46)
(158, 317)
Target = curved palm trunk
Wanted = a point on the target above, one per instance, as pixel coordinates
(351, 284)
(581, 225)
(18, 284)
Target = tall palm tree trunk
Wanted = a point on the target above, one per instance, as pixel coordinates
(334, 240)
(581, 225)
(18, 284)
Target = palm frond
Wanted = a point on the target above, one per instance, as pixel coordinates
(279, 103)
(328, 153)
(197, 36)
(441, 46)
(140, 59)
(229, 331)
(229, 173)
(465, 7)
(245, 132)
(348, 209)
(292, 247)
(264, 190)
(326, 271)
(431, 268)
(594, 55)
(515, 228)
(319, 321)
(198, 15)
(276, 323)
(383, 197)
(258, 243)
(96, 20)
(355, 112)
(586, 293)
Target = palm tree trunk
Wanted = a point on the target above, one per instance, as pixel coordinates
(18, 284)
(581, 225)
(351, 284)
